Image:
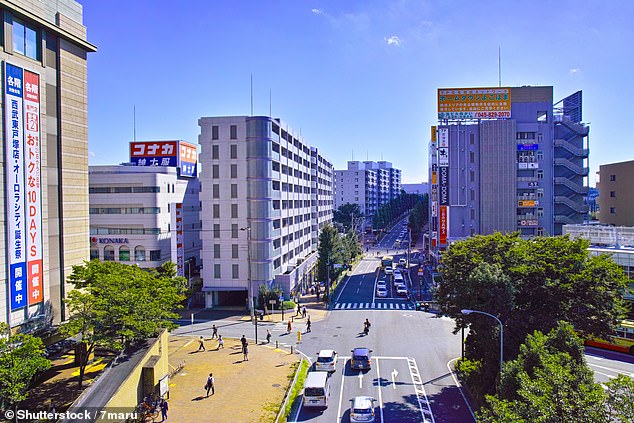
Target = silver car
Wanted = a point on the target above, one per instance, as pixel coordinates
(362, 409)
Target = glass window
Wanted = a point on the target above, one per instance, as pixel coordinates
(613, 194)
(215, 191)
(216, 230)
(235, 271)
(233, 132)
(215, 171)
(612, 210)
(234, 230)
(215, 152)
(234, 190)
(217, 271)
(214, 132)
(234, 211)
(234, 251)
(25, 40)
(234, 171)
(217, 251)
(108, 253)
(216, 211)
(234, 151)
(94, 253)
(139, 253)
(155, 255)
(124, 253)
(612, 178)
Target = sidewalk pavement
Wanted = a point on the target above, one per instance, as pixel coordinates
(245, 391)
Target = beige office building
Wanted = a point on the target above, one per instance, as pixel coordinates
(45, 157)
(616, 196)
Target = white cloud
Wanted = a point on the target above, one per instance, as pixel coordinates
(92, 154)
(393, 40)
(317, 11)
(575, 70)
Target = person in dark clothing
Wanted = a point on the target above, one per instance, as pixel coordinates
(164, 408)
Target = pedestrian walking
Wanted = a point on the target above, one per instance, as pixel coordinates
(215, 332)
(304, 312)
(308, 325)
(244, 342)
(221, 342)
(164, 408)
(268, 336)
(299, 310)
(245, 352)
(210, 384)
(201, 344)
(289, 327)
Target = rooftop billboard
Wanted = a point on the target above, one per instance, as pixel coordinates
(474, 103)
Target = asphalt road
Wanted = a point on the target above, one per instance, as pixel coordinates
(409, 378)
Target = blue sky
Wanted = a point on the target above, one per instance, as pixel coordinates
(356, 78)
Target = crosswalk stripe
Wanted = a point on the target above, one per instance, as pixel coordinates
(373, 305)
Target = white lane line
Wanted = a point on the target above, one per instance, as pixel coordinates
(348, 305)
(460, 388)
(611, 369)
(338, 305)
(378, 387)
(341, 390)
(425, 409)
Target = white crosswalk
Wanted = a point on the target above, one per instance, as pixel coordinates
(375, 305)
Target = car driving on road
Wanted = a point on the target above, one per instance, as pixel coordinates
(381, 291)
(360, 358)
(362, 409)
(326, 361)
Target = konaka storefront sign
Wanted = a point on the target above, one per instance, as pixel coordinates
(95, 240)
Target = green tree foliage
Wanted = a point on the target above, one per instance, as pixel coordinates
(388, 214)
(115, 304)
(329, 248)
(266, 294)
(529, 285)
(345, 213)
(547, 382)
(419, 216)
(620, 399)
(351, 247)
(21, 359)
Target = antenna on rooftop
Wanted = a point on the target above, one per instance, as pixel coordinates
(270, 107)
(499, 66)
(251, 93)
(134, 122)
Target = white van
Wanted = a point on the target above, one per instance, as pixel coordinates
(316, 389)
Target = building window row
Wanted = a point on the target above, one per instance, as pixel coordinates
(25, 40)
(125, 231)
(125, 210)
(123, 190)
(124, 253)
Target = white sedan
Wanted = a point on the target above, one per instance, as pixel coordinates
(388, 270)
(381, 291)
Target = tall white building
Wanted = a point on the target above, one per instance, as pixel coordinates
(134, 211)
(368, 184)
(265, 195)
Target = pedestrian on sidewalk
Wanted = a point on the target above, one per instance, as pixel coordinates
(215, 333)
(245, 352)
(201, 344)
(244, 342)
(289, 327)
(221, 343)
(304, 312)
(308, 325)
(268, 336)
(210, 385)
(299, 310)
(164, 408)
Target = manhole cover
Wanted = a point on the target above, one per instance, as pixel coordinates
(276, 385)
(338, 327)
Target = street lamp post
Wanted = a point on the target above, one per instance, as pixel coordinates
(467, 312)
(249, 287)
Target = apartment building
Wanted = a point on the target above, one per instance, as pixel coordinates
(506, 159)
(368, 184)
(265, 195)
(45, 160)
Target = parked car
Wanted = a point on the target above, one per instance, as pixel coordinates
(326, 361)
(361, 358)
(362, 409)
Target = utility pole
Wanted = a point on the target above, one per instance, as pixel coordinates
(250, 288)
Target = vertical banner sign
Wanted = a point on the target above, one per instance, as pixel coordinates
(14, 186)
(178, 254)
(32, 161)
(442, 230)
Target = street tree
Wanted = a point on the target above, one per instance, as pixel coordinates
(329, 252)
(115, 305)
(549, 381)
(620, 399)
(547, 279)
(21, 359)
(346, 214)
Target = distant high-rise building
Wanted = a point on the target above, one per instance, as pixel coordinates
(265, 196)
(368, 184)
(506, 159)
(616, 196)
(45, 159)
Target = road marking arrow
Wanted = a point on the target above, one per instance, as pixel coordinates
(360, 380)
(394, 374)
